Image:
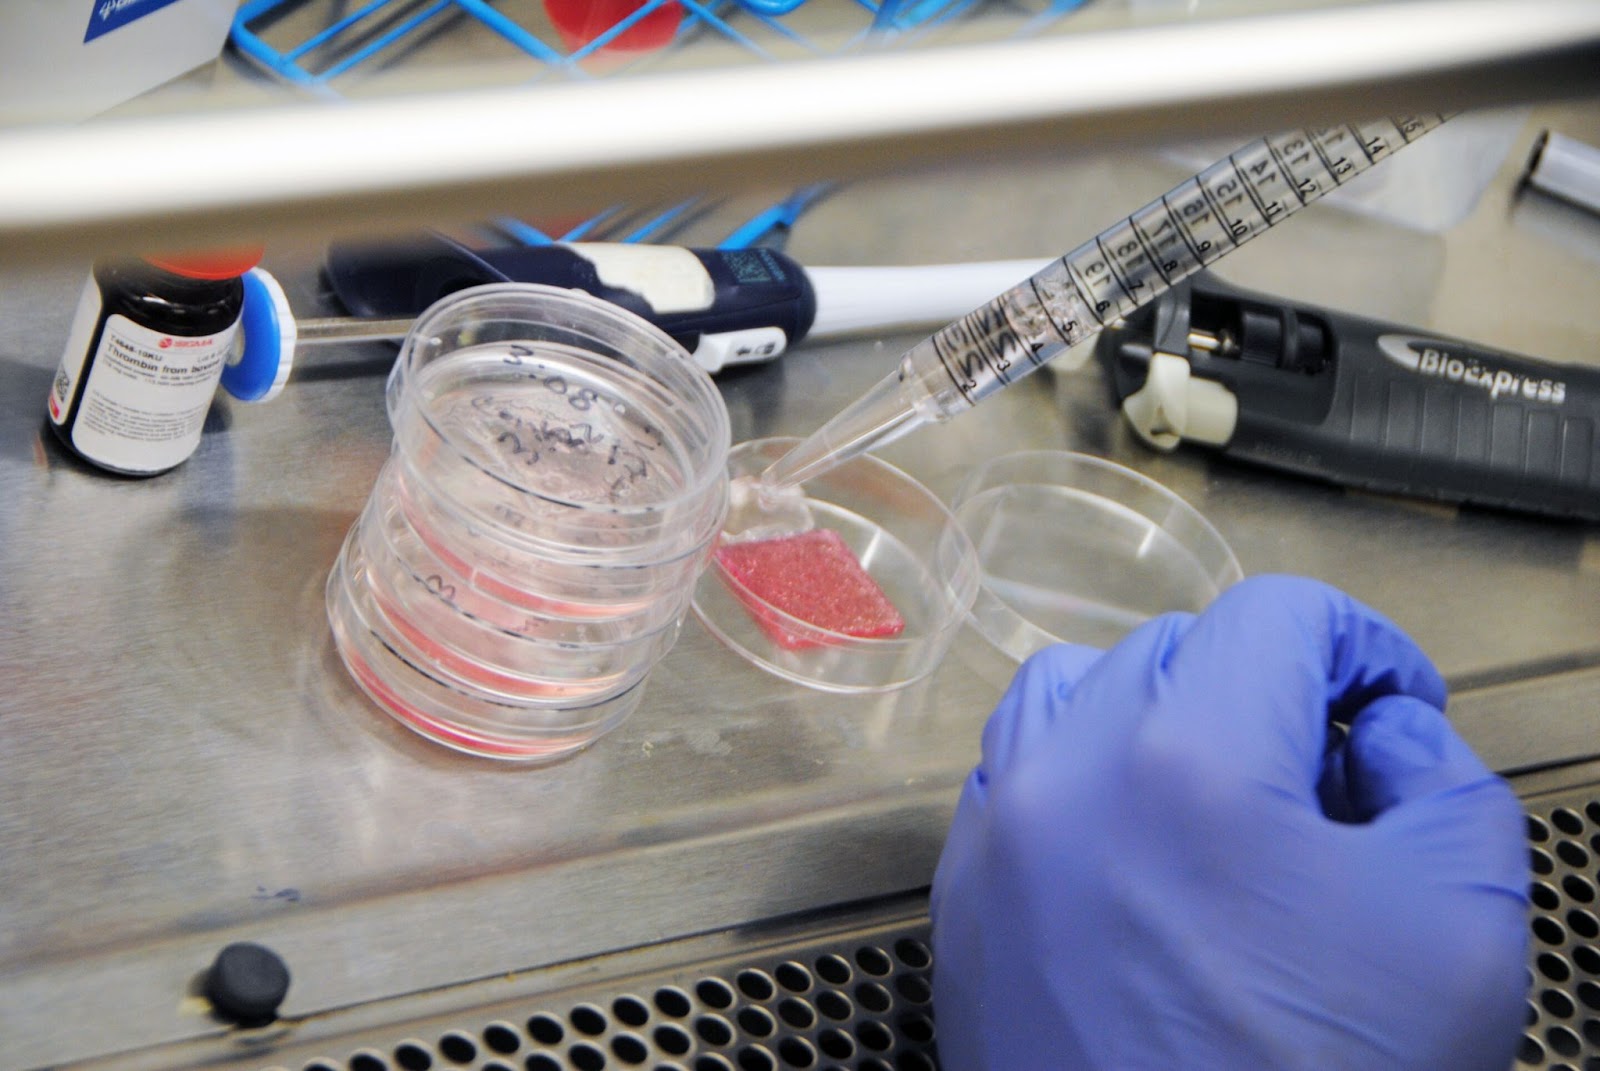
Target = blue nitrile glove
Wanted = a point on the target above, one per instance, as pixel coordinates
(1143, 872)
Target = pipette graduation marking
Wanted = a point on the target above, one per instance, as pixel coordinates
(1124, 267)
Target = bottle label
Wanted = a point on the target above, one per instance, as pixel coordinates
(76, 353)
(146, 396)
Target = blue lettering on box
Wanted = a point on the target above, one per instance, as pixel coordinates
(107, 15)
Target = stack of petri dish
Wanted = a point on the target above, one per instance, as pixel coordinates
(529, 551)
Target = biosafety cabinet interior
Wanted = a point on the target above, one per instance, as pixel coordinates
(735, 877)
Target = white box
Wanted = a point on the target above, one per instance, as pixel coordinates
(70, 59)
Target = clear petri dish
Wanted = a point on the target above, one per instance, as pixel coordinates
(483, 643)
(560, 422)
(904, 539)
(1077, 549)
(411, 687)
(550, 582)
(529, 551)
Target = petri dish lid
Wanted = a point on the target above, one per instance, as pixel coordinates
(1077, 549)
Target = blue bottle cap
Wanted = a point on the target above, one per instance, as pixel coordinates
(261, 362)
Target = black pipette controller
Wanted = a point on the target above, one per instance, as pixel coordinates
(1359, 402)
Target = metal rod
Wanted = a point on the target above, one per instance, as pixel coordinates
(334, 329)
(311, 171)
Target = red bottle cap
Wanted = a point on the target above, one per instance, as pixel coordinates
(581, 21)
(208, 263)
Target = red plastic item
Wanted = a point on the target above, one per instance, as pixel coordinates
(581, 21)
(814, 578)
(208, 263)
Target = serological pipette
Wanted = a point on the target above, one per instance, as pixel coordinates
(1122, 268)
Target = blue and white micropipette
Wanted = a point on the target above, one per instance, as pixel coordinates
(726, 306)
(1118, 270)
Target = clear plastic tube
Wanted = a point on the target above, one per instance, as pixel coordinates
(1124, 267)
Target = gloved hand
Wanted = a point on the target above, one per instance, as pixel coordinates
(1162, 862)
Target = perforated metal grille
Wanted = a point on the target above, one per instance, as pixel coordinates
(863, 1007)
(1562, 1030)
(856, 997)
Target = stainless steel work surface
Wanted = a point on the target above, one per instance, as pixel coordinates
(184, 763)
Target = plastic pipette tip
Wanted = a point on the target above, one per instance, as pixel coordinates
(812, 577)
(883, 414)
